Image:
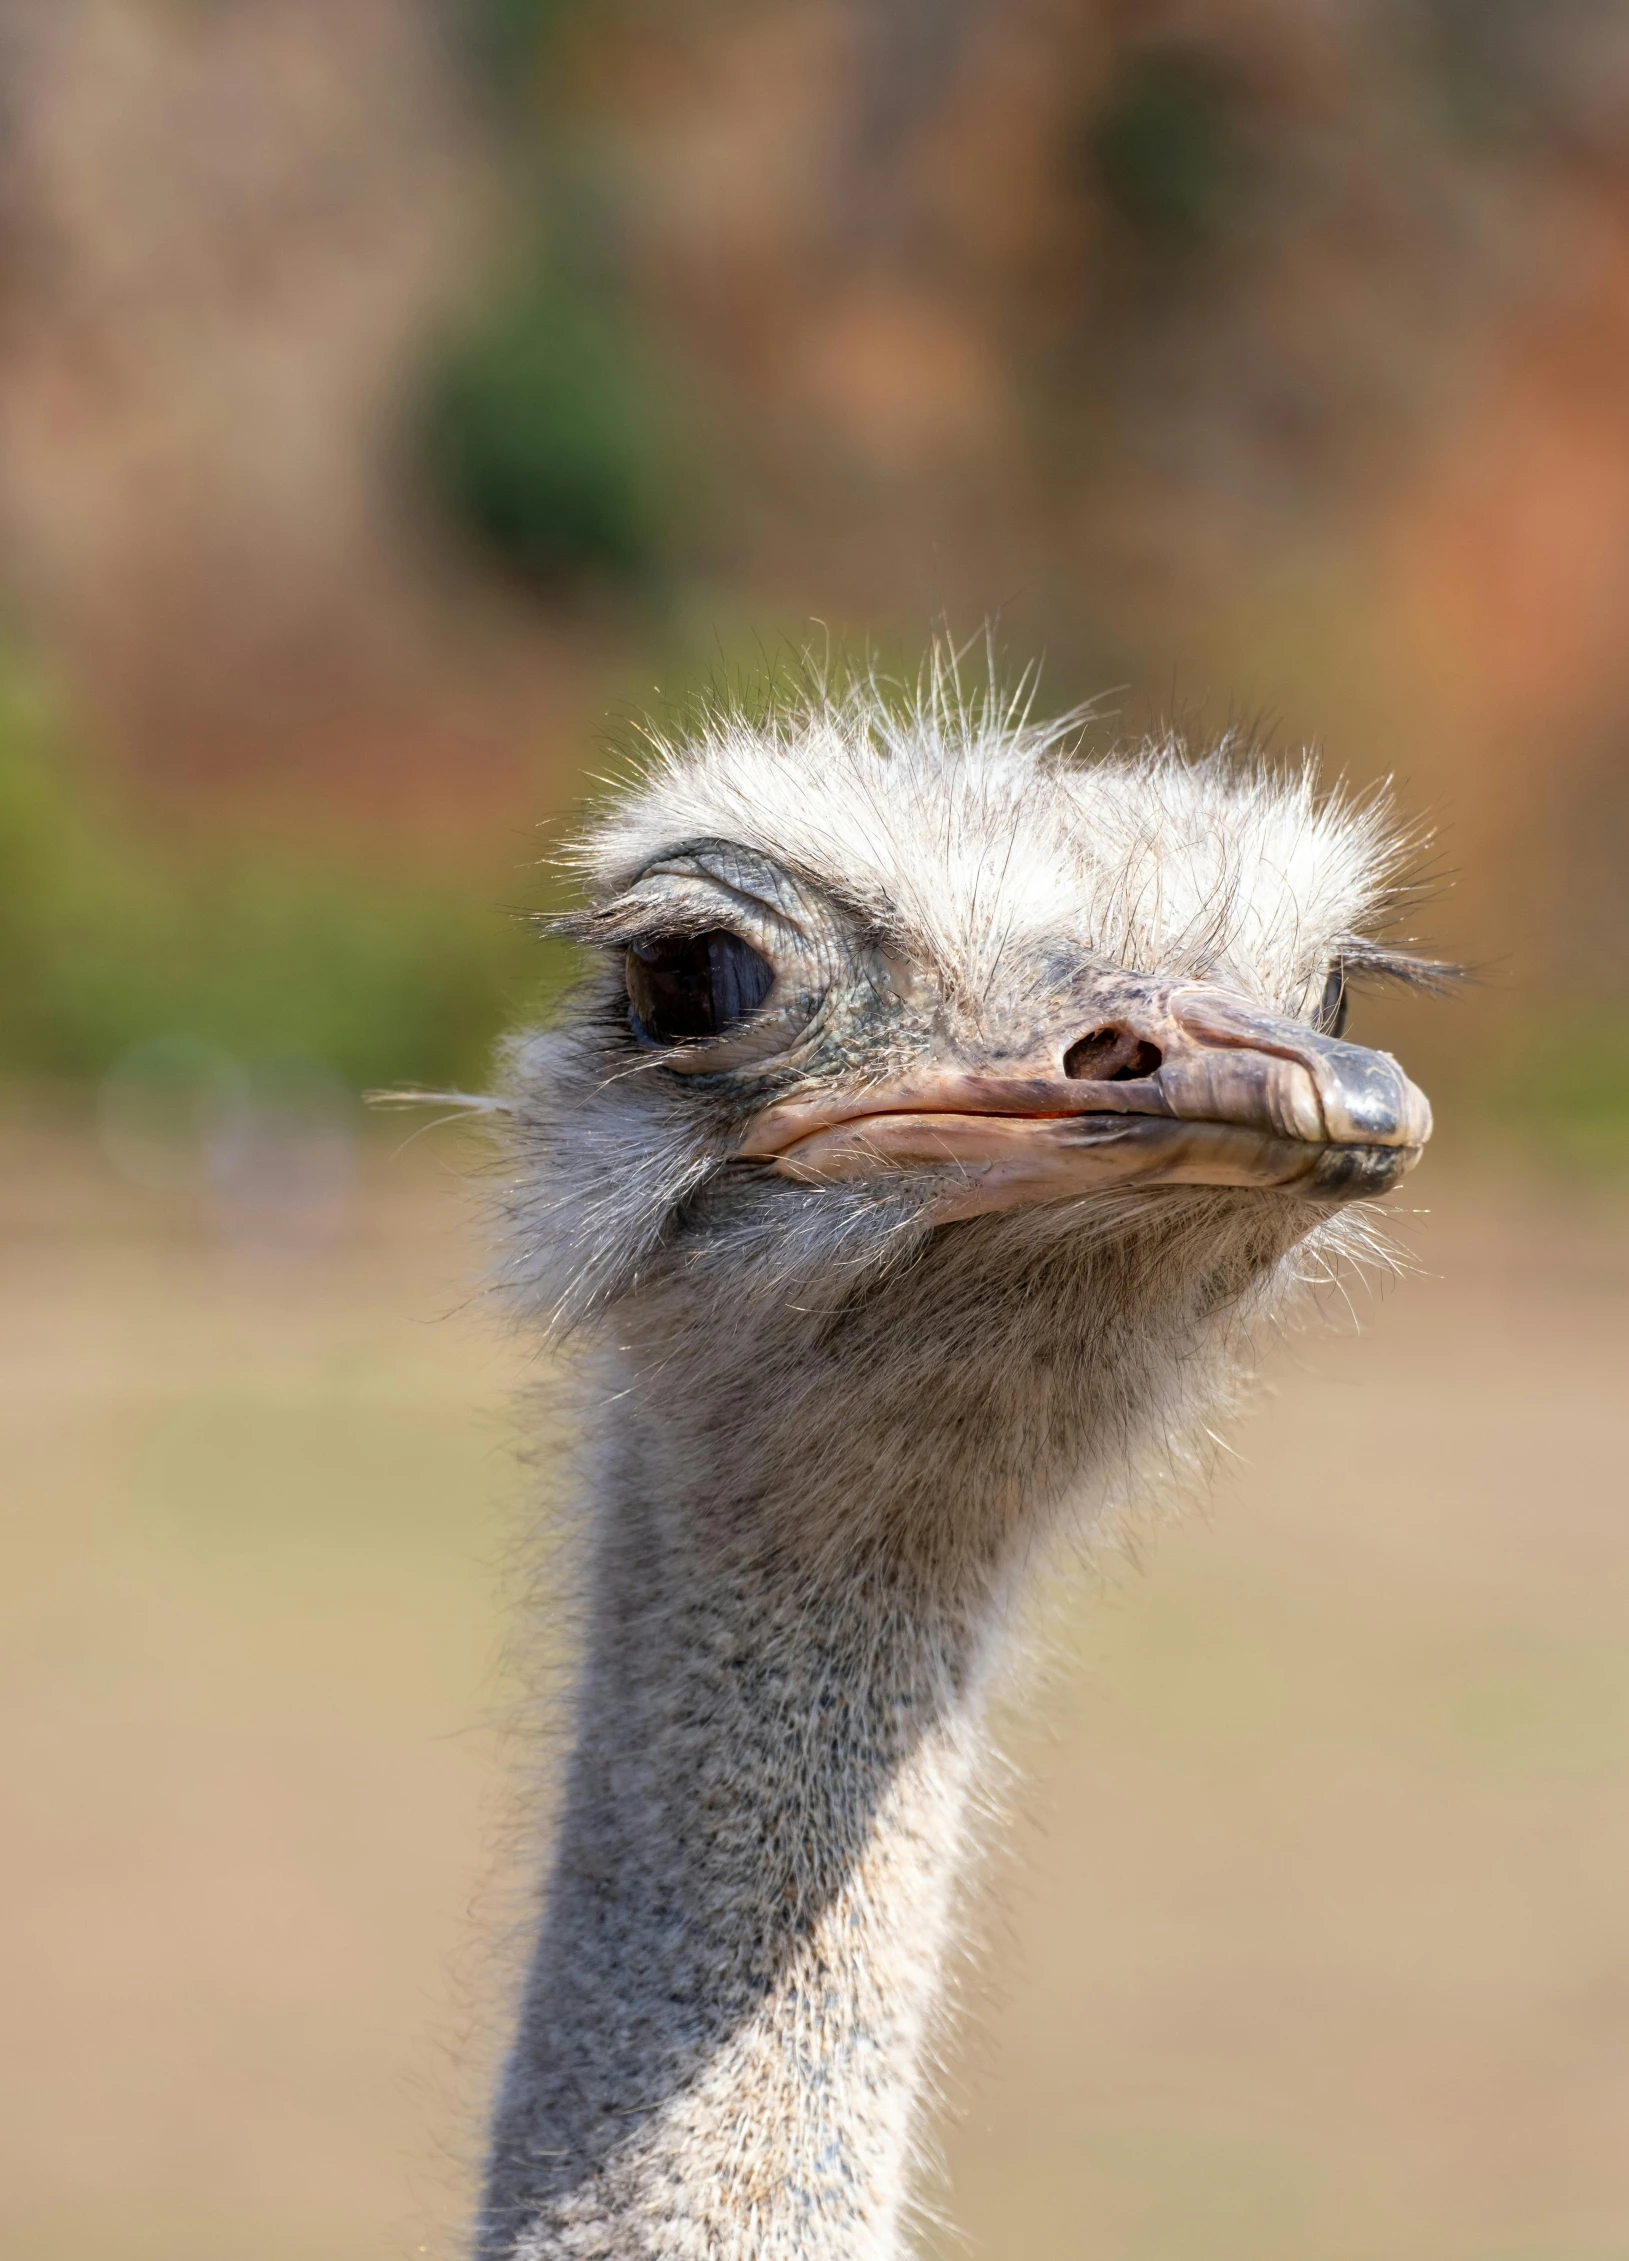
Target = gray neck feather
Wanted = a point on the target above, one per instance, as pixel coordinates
(722, 2034)
(802, 1543)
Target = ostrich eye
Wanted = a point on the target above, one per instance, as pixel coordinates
(685, 986)
(1333, 1008)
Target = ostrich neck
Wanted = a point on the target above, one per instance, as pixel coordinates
(804, 1524)
(722, 2035)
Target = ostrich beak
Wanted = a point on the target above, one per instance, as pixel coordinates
(1164, 1085)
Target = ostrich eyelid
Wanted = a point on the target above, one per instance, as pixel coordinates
(700, 869)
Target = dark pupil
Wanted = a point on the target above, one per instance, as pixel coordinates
(1332, 1012)
(684, 986)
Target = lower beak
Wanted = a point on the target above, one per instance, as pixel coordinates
(1214, 1092)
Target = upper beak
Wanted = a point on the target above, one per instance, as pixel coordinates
(1187, 1085)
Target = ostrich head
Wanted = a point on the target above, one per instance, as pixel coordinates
(942, 1102)
(940, 1112)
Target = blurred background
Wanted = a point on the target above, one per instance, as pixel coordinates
(398, 398)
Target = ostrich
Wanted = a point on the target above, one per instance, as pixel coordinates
(944, 1110)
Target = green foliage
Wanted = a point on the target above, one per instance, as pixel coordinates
(509, 38)
(539, 436)
(1167, 149)
(103, 948)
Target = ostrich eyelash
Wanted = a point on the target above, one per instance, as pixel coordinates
(1361, 960)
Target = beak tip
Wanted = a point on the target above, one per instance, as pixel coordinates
(1369, 1101)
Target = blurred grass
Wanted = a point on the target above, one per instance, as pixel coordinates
(108, 939)
(1310, 1942)
(255, 1514)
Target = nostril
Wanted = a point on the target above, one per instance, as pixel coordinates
(1110, 1055)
